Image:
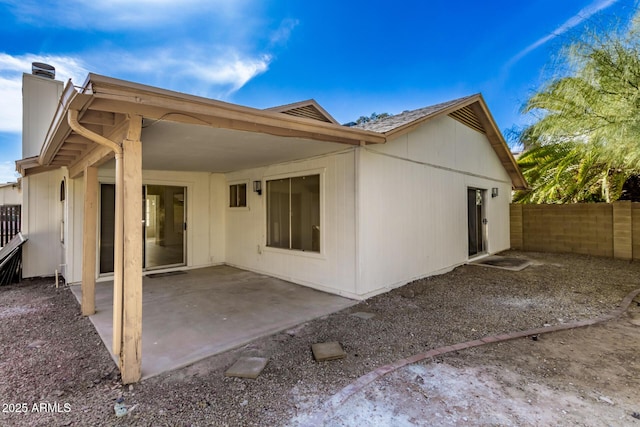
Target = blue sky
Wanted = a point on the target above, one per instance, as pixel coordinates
(353, 57)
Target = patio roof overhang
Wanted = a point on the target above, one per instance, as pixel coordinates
(182, 132)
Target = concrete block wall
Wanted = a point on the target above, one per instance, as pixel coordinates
(599, 229)
(635, 229)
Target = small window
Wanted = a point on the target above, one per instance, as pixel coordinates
(238, 195)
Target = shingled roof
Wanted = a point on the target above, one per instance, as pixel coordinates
(391, 123)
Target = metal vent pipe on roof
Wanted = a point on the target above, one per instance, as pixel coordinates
(43, 70)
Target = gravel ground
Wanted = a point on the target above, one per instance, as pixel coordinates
(51, 354)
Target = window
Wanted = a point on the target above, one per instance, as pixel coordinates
(238, 195)
(293, 213)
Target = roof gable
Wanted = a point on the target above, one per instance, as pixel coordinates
(308, 109)
(392, 124)
(471, 111)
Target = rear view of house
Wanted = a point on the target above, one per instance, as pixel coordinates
(122, 179)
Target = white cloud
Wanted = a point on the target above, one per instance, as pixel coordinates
(283, 32)
(118, 14)
(8, 172)
(11, 69)
(584, 14)
(232, 71)
(204, 71)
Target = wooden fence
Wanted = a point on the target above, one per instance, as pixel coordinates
(600, 229)
(9, 223)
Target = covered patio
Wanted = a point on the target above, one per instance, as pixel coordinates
(124, 130)
(190, 315)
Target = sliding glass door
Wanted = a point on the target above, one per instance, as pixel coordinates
(164, 226)
(163, 222)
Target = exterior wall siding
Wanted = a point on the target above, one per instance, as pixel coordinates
(41, 224)
(11, 194)
(413, 203)
(333, 269)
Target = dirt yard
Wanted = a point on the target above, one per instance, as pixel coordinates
(55, 371)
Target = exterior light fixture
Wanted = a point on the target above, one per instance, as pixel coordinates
(494, 192)
(257, 187)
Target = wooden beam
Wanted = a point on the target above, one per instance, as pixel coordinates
(75, 145)
(96, 157)
(69, 152)
(89, 241)
(241, 118)
(74, 139)
(103, 118)
(131, 352)
(64, 157)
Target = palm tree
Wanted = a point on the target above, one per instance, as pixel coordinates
(586, 143)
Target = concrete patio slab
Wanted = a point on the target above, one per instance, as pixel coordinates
(207, 311)
(247, 367)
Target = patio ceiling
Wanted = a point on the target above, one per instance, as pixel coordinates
(183, 147)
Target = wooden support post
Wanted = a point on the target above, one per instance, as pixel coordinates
(89, 234)
(118, 259)
(131, 352)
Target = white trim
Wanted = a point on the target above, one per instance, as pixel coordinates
(321, 172)
(297, 252)
(248, 191)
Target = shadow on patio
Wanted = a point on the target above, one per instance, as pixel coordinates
(198, 313)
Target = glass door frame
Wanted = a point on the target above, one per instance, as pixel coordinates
(144, 234)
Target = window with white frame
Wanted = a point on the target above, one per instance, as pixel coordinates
(238, 195)
(293, 213)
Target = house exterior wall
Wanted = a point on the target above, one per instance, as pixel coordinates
(333, 269)
(10, 194)
(412, 203)
(205, 215)
(42, 214)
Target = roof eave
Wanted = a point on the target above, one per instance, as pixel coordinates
(59, 128)
(137, 94)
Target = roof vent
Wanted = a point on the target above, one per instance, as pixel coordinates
(43, 70)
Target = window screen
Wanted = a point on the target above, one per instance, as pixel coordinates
(293, 213)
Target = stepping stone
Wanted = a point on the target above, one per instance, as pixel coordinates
(328, 351)
(247, 367)
(363, 315)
